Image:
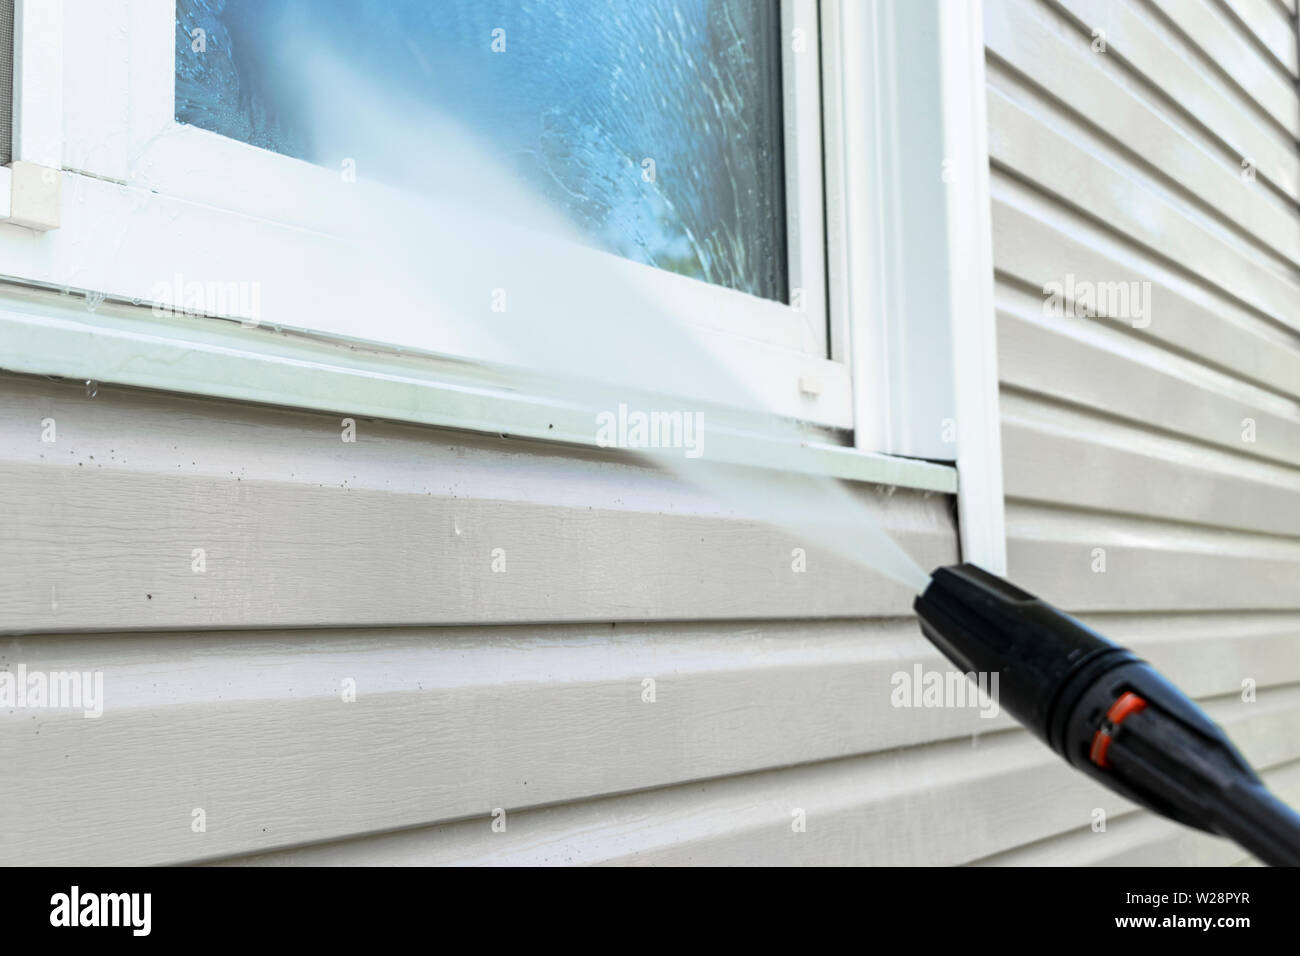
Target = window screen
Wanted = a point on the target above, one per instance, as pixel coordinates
(6, 81)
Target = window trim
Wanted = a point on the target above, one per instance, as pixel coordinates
(129, 346)
(910, 243)
(981, 506)
(801, 110)
(30, 186)
(38, 82)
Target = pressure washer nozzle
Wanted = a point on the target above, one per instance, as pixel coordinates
(1105, 711)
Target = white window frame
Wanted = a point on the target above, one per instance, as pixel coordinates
(910, 243)
(907, 247)
(119, 120)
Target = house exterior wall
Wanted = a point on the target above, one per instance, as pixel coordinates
(647, 681)
(368, 564)
(1166, 440)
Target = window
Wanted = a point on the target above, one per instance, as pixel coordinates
(654, 127)
(210, 208)
(814, 220)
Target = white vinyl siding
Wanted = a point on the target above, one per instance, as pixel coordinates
(328, 561)
(1126, 165)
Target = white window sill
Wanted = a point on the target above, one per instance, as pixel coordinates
(52, 334)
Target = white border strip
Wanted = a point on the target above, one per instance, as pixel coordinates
(910, 242)
(890, 281)
(217, 358)
(802, 113)
(38, 82)
(980, 505)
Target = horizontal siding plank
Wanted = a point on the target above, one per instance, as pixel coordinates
(1210, 654)
(446, 724)
(299, 528)
(1223, 43)
(1149, 565)
(1191, 87)
(1022, 142)
(287, 555)
(1060, 455)
(1038, 242)
(1271, 28)
(1073, 74)
(1127, 439)
(1144, 839)
(451, 723)
(1085, 363)
(939, 805)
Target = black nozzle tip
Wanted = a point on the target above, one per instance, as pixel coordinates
(973, 581)
(986, 625)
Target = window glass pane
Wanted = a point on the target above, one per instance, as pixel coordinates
(653, 126)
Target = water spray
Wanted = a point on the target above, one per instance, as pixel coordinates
(1106, 712)
(602, 339)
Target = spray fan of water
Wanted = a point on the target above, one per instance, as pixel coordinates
(464, 224)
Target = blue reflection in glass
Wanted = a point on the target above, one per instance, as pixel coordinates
(654, 126)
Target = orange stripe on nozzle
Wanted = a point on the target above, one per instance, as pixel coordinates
(1128, 704)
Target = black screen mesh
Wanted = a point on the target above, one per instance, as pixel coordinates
(6, 81)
